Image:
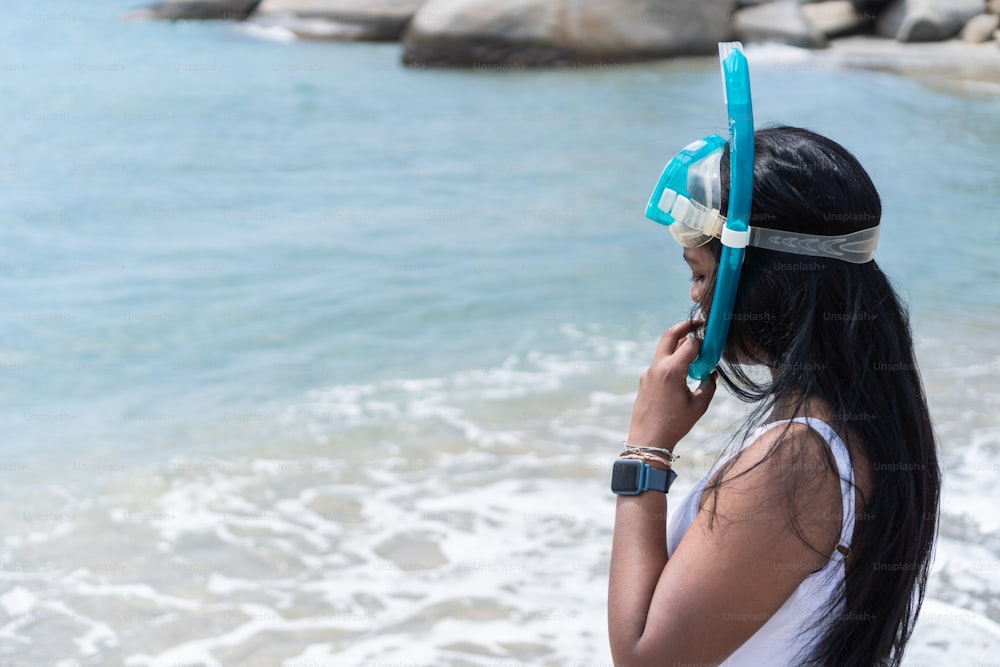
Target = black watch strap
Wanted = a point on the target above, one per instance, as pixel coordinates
(659, 480)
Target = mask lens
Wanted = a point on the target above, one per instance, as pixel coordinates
(698, 221)
(688, 194)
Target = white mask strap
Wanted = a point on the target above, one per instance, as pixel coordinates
(856, 247)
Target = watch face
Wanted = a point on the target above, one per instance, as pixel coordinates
(625, 475)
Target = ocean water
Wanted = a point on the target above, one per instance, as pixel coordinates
(307, 358)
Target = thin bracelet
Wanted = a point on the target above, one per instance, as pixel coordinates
(650, 459)
(638, 448)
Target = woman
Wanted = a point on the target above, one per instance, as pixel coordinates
(811, 542)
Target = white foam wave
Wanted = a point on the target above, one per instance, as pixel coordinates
(949, 634)
(18, 601)
(442, 535)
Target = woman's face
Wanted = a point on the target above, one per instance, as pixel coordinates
(702, 265)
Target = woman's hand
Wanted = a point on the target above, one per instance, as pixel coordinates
(665, 409)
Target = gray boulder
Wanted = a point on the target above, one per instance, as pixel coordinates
(368, 20)
(834, 17)
(559, 32)
(980, 28)
(783, 22)
(177, 10)
(926, 20)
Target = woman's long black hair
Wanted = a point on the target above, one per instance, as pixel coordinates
(837, 331)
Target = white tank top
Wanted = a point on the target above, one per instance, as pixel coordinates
(788, 636)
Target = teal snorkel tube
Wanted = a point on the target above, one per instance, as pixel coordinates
(735, 235)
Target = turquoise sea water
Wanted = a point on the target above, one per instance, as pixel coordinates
(292, 336)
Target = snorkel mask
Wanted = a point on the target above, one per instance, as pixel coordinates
(688, 196)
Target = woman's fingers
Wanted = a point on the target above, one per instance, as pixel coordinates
(687, 351)
(676, 362)
(674, 335)
(702, 396)
(665, 409)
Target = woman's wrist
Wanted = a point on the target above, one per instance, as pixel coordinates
(657, 457)
(641, 441)
(650, 460)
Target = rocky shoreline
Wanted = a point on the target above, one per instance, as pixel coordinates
(951, 62)
(961, 37)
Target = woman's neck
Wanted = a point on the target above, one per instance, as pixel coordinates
(788, 406)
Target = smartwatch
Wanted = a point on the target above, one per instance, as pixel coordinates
(630, 477)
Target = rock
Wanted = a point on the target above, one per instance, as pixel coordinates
(890, 21)
(833, 19)
(782, 22)
(559, 32)
(176, 10)
(926, 20)
(993, 6)
(368, 20)
(980, 28)
(951, 63)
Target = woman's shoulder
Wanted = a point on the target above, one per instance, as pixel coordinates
(786, 448)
